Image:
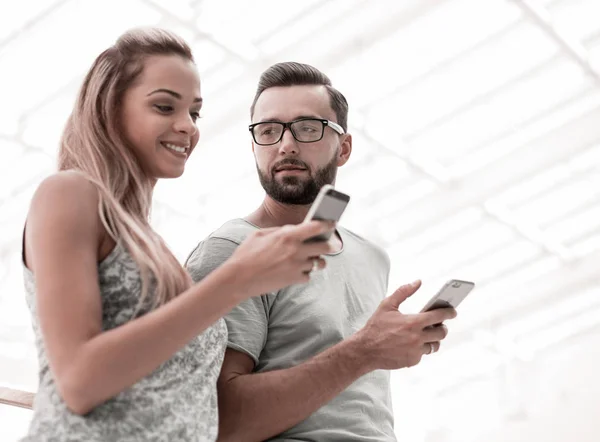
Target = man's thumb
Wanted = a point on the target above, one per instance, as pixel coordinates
(402, 293)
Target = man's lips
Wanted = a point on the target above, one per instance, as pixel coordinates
(289, 167)
(290, 171)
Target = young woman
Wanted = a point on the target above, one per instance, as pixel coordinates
(128, 347)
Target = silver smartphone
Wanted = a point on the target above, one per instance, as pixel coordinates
(450, 295)
(329, 205)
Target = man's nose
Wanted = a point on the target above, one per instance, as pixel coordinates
(288, 144)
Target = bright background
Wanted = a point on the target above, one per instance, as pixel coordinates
(476, 156)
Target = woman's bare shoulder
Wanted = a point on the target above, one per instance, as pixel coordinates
(65, 204)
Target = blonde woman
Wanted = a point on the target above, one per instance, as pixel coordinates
(128, 347)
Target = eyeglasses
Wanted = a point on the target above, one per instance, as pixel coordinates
(304, 130)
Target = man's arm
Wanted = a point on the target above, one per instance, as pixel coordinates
(257, 406)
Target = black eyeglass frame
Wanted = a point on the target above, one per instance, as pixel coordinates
(336, 127)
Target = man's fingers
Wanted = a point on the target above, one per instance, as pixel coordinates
(435, 317)
(433, 334)
(430, 347)
(402, 293)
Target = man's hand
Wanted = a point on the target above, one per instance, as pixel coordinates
(393, 340)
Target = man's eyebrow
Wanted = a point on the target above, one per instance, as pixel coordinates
(300, 117)
(173, 94)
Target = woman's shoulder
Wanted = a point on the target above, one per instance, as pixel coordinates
(66, 197)
(67, 184)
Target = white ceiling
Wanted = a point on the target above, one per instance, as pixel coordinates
(476, 155)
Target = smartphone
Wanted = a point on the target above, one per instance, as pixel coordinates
(450, 295)
(328, 206)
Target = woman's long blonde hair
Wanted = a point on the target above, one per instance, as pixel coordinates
(93, 144)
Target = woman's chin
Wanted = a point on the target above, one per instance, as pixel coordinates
(170, 173)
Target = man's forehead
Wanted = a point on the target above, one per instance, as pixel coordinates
(288, 102)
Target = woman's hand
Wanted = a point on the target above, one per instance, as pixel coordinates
(273, 258)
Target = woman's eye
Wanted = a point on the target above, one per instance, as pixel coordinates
(195, 115)
(164, 109)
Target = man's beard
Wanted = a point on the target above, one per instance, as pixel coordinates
(297, 190)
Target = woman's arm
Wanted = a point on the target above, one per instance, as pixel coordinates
(90, 365)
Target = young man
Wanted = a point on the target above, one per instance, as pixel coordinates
(310, 362)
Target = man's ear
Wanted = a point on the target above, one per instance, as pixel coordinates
(345, 150)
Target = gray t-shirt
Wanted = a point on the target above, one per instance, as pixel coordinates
(282, 329)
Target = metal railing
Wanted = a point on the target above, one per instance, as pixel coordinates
(16, 398)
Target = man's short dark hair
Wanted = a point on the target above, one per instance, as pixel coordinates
(299, 74)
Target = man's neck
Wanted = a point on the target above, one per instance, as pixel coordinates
(272, 213)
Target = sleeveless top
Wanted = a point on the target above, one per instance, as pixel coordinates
(176, 402)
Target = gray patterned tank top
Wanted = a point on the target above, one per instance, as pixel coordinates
(176, 402)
